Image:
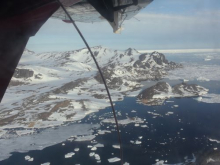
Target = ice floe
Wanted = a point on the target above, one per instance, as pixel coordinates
(91, 154)
(102, 132)
(144, 126)
(28, 158)
(97, 157)
(99, 145)
(85, 138)
(94, 148)
(169, 113)
(47, 163)
(126, 163)
(214, 140)
(116, 146)
(69, 155)
(124, 121)
(115, 159)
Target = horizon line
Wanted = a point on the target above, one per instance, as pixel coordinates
(179, 50)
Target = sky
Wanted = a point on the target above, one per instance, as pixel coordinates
(163, 24)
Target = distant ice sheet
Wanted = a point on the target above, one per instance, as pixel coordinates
(196, 72)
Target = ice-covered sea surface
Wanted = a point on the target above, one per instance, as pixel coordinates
(178, 132)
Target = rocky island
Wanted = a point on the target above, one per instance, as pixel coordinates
(162, 91)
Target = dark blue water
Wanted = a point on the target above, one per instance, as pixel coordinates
(198, 121)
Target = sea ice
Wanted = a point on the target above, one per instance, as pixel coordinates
(97, 157)
(137, 142)
(47, 163)
(214, 140)
(69, 155)
(99, 145)
(144, 126)
(91, 154)
(93, 148)
(112, 160)
(116, 146)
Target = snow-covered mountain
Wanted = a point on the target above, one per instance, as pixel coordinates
(51, 88)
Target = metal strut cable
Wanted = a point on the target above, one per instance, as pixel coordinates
(103, 79)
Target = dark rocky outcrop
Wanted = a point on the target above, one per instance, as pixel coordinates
(159, 58)
(23, 73)
(156, 89)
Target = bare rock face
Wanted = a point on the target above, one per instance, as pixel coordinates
(147, 96)
(193, 89)
(23, 73)
(159, 58)
(158, 93)
(160, 87)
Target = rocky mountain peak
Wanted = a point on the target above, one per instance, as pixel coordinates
(131, 51)
(159, 58)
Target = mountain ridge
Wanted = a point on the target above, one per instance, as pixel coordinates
(52, 88)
